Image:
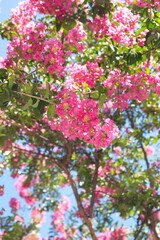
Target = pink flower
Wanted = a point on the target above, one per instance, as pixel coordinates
(157, 216)
(123, 32)
(1, 235)
(119, 233)
(2, 65)
(31, 200)
(149, 150)
(75, 38)
(14, 204)
(117, 151)
(38, 216)
(65, 205)
(85, 74)
(19, 218)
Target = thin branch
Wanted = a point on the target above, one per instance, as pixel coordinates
(138, 231)
(145, 155)
(140, 142)
(25, 129)
(68, 148)
(97, 157)
(79, 202)
(152, 226)
(32, 96)
(29, 74)
(130, 119)
(35, 154)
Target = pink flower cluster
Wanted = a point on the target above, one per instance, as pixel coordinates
(22, 187)
(75, 38)
(116, 234)
(58, 8)
(121, 88)
(80, 118)
(1, 235)
(122, 32)
(57, 220)
(38, 216)
(2, 65)
(144, 3)
(23, 13)
(54, 56)
(31, 42)
(49, 52)
(88, 73)
(117, 151)
(149, 150)
(14, 204)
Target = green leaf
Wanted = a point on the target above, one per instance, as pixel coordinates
(35, 105)
(11, 80)
(5, 96)
(140, 30)
(82, 17)
(3, 73)
(47, 90)
(85, 85)
(70, 24)
(94, 95)
(100, 1)
(102, 98)
(58, 25)
(157, 20)
(28, 88)
(151, 38)
(28, 104)
(157, 44)
(51, 112)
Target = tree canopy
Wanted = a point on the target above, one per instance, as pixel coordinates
(79, 107)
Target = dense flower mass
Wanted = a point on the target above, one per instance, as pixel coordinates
(58, 8)
(80, 118)
(85, 74)
(130, 87)
(145, 3)
(121, 29)
(75, 38)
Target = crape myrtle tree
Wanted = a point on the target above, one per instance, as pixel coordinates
(79, 99)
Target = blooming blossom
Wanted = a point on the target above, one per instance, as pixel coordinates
(14, 204)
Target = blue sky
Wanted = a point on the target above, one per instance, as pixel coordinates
(5, 10)
(6, 6)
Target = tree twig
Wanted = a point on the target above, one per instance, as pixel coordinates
(32, 96)
(97, 157)
(79, 203)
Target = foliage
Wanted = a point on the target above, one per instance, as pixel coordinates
(79, 99)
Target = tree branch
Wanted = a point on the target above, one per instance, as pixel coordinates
(152, 226)
(145, 155)
(138, 231)
(32, 96)
(79, 203)
(97, 156)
